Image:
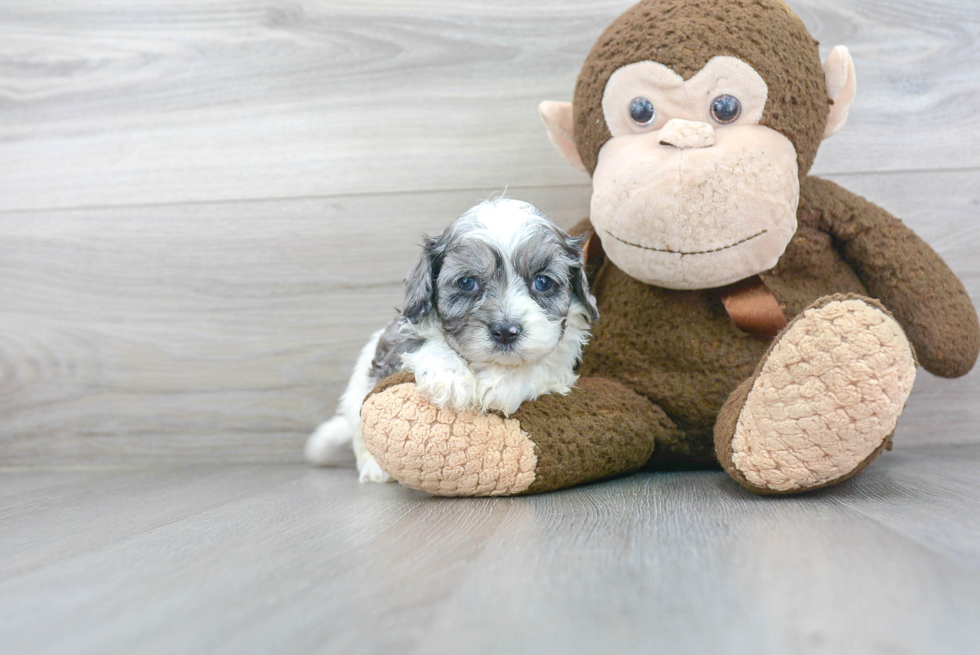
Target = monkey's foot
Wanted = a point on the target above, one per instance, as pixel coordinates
(824, 401)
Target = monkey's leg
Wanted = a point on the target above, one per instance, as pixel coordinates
(599, 430)
(823, 402)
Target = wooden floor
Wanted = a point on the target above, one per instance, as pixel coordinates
(283, 558)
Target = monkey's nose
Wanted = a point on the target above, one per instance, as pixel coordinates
(687, 134)
(505, 333)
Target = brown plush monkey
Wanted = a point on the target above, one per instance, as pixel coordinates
(751, 315)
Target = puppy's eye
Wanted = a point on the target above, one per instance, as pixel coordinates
(543, 284)
(467, 284)
(642, 111)
(725, 109)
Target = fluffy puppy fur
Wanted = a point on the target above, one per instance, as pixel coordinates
(496, 313)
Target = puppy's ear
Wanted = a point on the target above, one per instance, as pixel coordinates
(421, 281)
(580, 282)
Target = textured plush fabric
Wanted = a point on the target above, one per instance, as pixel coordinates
(600, 429)
(443, 452)
(675, 98)
(725, 429)
(902, 271)
(697, 217)
(841, 82)
(558, 118)
(824, 398)
(687, 134)
(680, 350)
(685, 36)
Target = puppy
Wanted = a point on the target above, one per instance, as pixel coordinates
(496, 313)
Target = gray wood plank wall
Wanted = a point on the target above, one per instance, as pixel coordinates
(206, 206)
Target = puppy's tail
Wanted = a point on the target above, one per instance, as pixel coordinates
(330, 444)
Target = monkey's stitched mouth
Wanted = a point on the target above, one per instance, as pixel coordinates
(693, 252)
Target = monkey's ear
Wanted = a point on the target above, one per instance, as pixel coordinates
(558, 118)
(841, 82)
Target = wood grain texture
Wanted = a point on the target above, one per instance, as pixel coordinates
(283, 558)
(45, 508)
(114, 103)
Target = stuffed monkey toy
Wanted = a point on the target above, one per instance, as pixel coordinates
(752, 316)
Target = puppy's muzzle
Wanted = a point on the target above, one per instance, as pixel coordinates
(505, 333)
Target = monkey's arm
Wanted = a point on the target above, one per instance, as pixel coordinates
(598, 430)
(900, 269)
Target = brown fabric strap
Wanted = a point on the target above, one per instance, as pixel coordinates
(752, 307)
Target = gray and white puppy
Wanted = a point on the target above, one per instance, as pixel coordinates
(496, 313)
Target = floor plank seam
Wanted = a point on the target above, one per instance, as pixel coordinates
(299, 198)
(416, 192)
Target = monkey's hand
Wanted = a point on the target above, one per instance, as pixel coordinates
(598, 430)
(902, 271)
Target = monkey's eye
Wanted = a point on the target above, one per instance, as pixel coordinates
(725, 109)
(642, 111)
(467, 284)
(543, 284)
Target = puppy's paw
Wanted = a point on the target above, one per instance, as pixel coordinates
(330, 444)
(449, 387)
(370, 471)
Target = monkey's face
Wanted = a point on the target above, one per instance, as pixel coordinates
(696, 121)
(691, 191)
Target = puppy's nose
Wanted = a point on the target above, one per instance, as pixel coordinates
(687, 134)
(505, 332)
